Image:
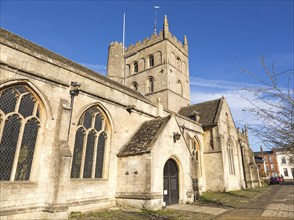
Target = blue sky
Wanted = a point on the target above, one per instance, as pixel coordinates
(224, 37)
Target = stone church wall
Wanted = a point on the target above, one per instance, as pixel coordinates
(50, 188)
(234, 179)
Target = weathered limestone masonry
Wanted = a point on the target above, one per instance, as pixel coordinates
(74, 140)
(221, 153)
(251, 172)
(161, 61)
(47, 75)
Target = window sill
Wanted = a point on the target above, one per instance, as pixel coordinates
(89, 180)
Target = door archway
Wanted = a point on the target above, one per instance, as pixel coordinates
(170, 183)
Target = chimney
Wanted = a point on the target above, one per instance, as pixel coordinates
(261, 150)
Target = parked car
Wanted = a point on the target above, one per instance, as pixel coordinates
(274, 180)
(280, 179)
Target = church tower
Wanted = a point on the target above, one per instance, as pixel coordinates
(156, 67)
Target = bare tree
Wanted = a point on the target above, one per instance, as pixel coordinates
(273, 108)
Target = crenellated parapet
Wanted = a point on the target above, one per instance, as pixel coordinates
(156, 38)
(146, 42)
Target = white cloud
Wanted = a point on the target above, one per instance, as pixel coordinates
(219, 84)
(96, 67)
(237, 100)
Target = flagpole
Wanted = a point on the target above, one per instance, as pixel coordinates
(155, 15)
(123, 50)
(124, 27)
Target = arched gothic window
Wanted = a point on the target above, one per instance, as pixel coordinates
(157, 58)
(179, 63)
(179, 87)
(136, 69)
(195, 149)
(128, 69)
(197, 155)
(19, 128)
(89, 146)
(151, 61)
(150, 84)
(141, 65)
(230, 155)
(134, 86)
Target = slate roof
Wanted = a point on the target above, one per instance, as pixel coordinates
(8, 38)
(264, 152)
(208, 111)
(143, 139)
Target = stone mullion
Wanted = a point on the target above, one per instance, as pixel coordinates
(84, 154)
(94, 156)
(17, 151)
(17, 104)
(35, 107)
(2, 124)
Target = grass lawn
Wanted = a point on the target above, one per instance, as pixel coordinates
(233, 199)
(143, 214)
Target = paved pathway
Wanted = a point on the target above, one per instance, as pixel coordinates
(277, 203)
(197, 208)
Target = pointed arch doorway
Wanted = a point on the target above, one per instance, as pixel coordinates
(170, 183)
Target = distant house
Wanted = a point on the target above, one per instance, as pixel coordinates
(261, 166)
(271, 163)
(285, 162)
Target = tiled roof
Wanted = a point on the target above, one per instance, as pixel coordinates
(8, 38)
(143, 139)
(208, 111)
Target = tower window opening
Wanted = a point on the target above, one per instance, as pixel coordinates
(151, 61)
(135, 67)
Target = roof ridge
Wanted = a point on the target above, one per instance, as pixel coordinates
(140, 142)
(28, 45)
(219, 106)
(213, 100)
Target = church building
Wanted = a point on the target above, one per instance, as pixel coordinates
(72, 139)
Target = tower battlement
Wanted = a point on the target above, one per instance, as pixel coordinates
(115, 43)
(155, 38)
(157, 66)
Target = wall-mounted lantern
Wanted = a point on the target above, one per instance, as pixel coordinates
(176, 136)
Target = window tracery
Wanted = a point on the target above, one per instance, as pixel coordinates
(89, 146)
(19, 128)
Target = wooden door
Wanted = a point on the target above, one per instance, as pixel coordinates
(170, 183)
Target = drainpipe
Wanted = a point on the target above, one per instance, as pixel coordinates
(74, 91)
